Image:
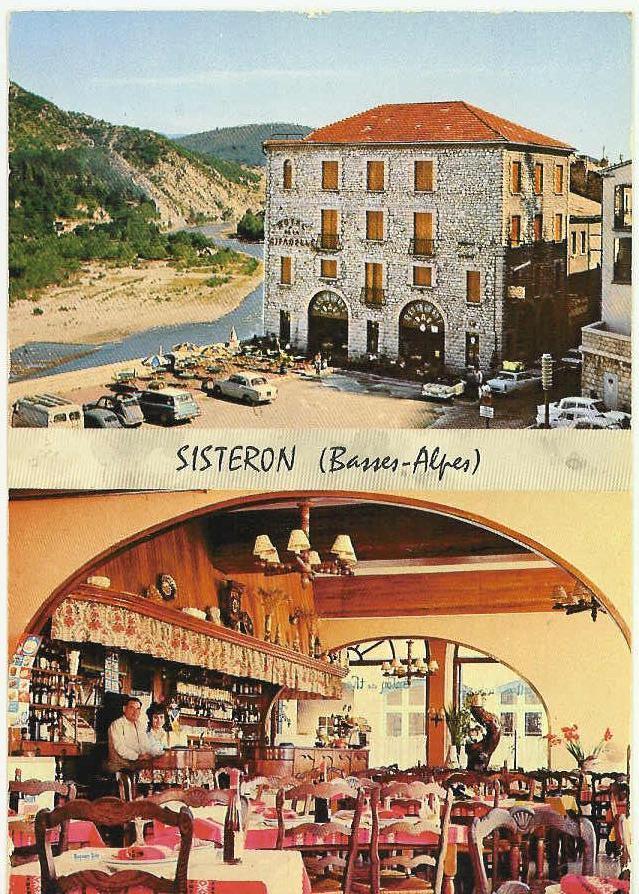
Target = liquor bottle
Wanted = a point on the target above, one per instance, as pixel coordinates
(231, 827)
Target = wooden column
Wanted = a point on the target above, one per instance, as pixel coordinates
(437, 695)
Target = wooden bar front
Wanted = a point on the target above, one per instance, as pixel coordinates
(297, 761)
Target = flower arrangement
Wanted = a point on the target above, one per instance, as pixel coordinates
(574, 745)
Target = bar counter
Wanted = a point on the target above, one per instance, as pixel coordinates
(289, 760)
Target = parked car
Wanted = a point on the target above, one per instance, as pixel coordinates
(586, 408)
(168, 405)
(125, 406)
(506, 381)
(250, 388)
(572, 419)
(573, 359)
(444, 388)
(98, 417)
(46, 411)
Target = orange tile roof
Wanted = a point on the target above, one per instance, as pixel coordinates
(429, 122)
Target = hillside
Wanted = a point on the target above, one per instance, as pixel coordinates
(81, 189)
(183, 186)
(239, 144)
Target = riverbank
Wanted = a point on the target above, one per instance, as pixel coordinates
(106, 303)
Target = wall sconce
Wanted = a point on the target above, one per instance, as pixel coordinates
(436, 715)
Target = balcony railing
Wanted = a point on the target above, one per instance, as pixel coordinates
(373, 297)
(329, 242)
(422, 248)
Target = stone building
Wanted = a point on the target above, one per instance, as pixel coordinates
(431, 232)
(606, 344)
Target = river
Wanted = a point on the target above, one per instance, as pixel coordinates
(38, 359)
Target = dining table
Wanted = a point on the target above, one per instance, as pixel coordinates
(258, 872)
(261, 831)
(81, 832)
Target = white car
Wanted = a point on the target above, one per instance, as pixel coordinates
(250, 388)
(586, 408)
(572, 419)
(507, 381)
(443, 389)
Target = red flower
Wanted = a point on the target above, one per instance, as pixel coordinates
(608, 734)
(553, 739)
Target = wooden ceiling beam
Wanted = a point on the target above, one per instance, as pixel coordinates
(464, 592)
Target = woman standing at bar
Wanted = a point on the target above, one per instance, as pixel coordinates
(157, 727)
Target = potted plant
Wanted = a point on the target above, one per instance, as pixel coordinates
(477, 696)
(458, 723)
(586, 759)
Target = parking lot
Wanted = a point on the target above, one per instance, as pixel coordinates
(334, 400)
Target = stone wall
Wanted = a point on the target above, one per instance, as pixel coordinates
(606, 352)
(470, 224)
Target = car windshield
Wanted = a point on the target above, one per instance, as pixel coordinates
(599, 406)
(129, 401)
(258, 381)
(60, 417)
(74, 416)
(509, 377)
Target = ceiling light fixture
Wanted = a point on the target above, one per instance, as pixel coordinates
(579, 599)
(406, 669)
(307, 561)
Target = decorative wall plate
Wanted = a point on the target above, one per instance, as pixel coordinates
(167, 586)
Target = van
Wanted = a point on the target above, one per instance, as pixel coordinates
(168, 405)
(46, 411)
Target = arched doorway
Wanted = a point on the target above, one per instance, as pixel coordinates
(328, 325)
(422, 335)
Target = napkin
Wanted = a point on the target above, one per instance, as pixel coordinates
(581, 884)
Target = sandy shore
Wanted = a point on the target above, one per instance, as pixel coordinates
(106, 303)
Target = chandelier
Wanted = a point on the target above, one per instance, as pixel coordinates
(579, 599)
(409, 668)
(305, 560)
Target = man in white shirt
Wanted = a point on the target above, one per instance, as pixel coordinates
(128, 739)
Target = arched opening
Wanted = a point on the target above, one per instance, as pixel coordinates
(422, 336)
(328, 325)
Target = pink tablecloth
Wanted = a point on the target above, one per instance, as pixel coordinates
(582, 884)
(81, 833)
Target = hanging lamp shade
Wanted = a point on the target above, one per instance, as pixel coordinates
(262, 545)
(271, 556)
(343, 546)
(314, 558)
(298, 541)
(386, 668)
(433, 666)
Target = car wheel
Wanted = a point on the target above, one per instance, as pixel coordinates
(217, 391)
(164, 419)
(246, 399)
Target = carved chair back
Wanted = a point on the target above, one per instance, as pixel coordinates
(63, 791)
(111, 812)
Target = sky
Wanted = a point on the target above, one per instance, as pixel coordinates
(565, 74)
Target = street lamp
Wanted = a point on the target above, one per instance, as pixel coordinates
(546, 384)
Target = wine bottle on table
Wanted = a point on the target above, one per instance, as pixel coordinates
(231, 826)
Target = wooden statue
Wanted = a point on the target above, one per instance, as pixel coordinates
(479, 753)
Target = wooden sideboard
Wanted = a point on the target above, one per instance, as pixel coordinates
(297, 761)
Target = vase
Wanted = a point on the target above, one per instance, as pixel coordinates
(588, 765)
(452, 761)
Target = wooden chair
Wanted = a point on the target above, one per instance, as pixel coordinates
(602, 786)
(413, 797)
(329, 850)
(127, 783)
(33, 787)
(480, 784)
(518, 785)
(305, 795)
(111, 812)
(399, 853)
(517, 827)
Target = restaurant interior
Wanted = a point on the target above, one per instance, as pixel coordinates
(350, 692)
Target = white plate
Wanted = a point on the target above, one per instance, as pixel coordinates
(127, 864)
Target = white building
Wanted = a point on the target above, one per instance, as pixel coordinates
(606, 345)
(432, 232)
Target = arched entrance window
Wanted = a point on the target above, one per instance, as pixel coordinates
(422, 335)
(328, 325)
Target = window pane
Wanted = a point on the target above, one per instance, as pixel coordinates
(539, 178)
(287, 175)
(473, 286)
(416, 725)
(286, 271)
(559, 178)
(622, 260)
(532, 724)
(375, 176)
(375, 225)
(515, 229)
(538, 227)
(329, 175)
(507, 719)
(393, 725)
(516, 176)
(417, 694)
(328, 268)
(559, 228)
(422, 276)
(423, 176)
(394, 697)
